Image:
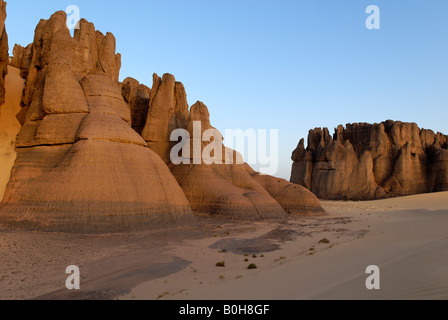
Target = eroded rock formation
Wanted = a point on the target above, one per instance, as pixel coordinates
(21, 59)
(372, 161)
(80, 166)
(4, 54)
(9, 125)
(137, 97)
(220, 189)
(168, 110)
(294, 199)
(93, 154)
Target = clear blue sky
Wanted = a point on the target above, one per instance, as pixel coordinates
(290, 65)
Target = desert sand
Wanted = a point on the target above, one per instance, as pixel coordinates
(405, 237)
(364, 161)
(9, 125)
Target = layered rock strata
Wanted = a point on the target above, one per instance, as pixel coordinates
(228, 189)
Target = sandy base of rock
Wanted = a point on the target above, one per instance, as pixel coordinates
(77, 188)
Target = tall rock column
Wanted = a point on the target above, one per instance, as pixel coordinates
(168, 110)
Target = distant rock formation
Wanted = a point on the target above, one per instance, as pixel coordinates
(372, 161)
(80, 167)
(168, 110)
(21, 59)
(4, 54)
(294, 199)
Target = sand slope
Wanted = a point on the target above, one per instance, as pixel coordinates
(406, 238)
(9, 125)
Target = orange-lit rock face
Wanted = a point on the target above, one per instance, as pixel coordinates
(80, 166)
(9, 125)
(365, 161)
(231, 190)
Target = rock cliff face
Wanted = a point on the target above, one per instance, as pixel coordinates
(372, 161)
(80, 166)
(21, 59)
(4, 54)
(9, 125)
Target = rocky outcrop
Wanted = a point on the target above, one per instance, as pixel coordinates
(17, 57)
(220, 189)
(372, 161)
(168, 110)
(4, 55)
(21, 59)
(294, 199)
(136, 96)
(80, 167)
(231, 189)
(217, 189)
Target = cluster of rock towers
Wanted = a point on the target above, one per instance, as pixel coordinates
(93, 153)
(372, 161)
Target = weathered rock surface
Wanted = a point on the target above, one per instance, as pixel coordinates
(9, 125)
(4, 55)
(372, 161)
(21, 56)
(294, 199)
(80, 166)
(92, 153)
(229, 190)
(136, 96)
(221, 189)
(168, 110)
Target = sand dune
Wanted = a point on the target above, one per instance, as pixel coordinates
(9, 125)
(406, 238)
